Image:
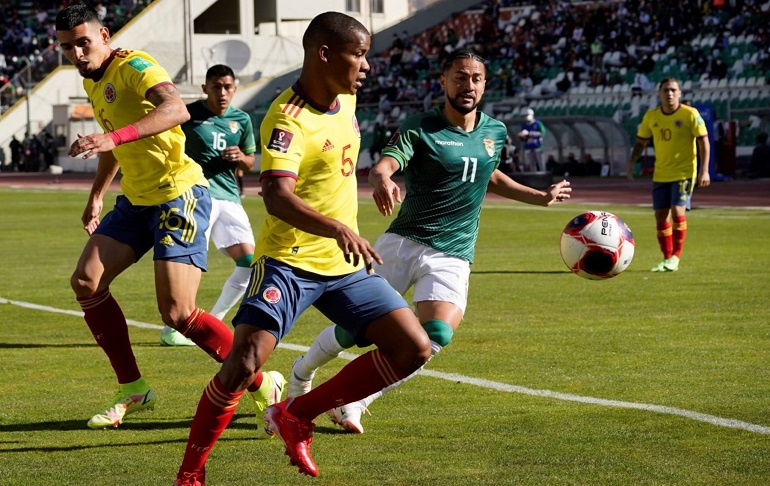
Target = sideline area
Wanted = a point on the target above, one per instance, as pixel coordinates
(737, 193)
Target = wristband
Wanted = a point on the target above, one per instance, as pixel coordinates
(129, 133)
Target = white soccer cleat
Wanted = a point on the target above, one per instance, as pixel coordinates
(298, 387)
(349, 417)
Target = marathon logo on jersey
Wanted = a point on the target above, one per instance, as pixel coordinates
(110, 93)
(139, 63)
(489, 146)
(356, 127)
(271, 295)
(280, 140)
(393, 139)
(234, 127)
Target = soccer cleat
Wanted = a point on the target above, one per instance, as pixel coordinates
(123, 403)
(262, 401)
(191, 479)
(672, 264)
(349, 417)
(171, 337)
(298, 386)
(296, 434)
(660, 267)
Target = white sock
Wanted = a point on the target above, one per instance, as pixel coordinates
(324, 349)
(435, 348)
(232, 292)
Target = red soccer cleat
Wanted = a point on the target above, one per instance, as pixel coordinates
(296, 434)
(191, 479)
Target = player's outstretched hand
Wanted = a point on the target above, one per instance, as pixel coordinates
(89, 145)
(355, 248)
(386, 194)
(559, 192)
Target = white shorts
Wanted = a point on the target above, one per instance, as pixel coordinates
(434, 275)
(228, 225)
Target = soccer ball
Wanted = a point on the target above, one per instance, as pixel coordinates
(597, 245)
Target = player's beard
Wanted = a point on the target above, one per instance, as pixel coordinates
(460, 108)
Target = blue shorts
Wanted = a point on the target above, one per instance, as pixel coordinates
(175, 229)
(279, 293)
(668, 194)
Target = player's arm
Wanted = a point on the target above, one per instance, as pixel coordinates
(169, 112)
(504, 186)
(386, 192)
(704, 152)
(105, 173)
(636, 152)
(282, 203)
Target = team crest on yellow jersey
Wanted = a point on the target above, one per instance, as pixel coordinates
(489, 145)
(110, 93)
(355, 126)
(234, 126)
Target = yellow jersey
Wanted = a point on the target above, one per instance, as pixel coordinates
(673, 136)
(155, 169)
(319, 148)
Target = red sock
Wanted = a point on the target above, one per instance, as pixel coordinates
(212, 336)
(665, 240)
(215, 410)
(680, 231)
(107, 323)
(209, 333)
(367, 374)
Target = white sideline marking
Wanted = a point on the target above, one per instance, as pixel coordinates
(482, 383)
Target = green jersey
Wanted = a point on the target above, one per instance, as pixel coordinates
(208, 135)
(447, 171)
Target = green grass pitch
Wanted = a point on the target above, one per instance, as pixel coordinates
(644, 379)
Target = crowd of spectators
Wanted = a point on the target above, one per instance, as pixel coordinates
(588, 42)
(28, 50)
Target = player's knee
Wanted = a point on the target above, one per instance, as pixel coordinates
(82, 285)
(440, 332)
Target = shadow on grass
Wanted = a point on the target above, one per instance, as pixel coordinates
(521, 272)
(36, 345)
(80, 425)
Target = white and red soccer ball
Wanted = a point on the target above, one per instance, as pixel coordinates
(597, 245)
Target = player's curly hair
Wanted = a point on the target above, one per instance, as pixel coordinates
(79, 13)
(333, 29)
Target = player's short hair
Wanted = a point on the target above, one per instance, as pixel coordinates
(462, 54)
(333, 29)
(76, 14)
(670, 79)
(219, 71)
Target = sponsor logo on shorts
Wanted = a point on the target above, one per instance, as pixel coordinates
(280, 140)
(271, 295)
(166, 240)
